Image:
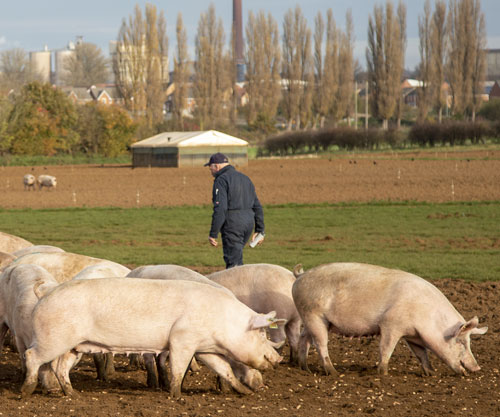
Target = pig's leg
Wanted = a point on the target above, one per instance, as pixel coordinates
(161, 367)
(292, 329)
(318, 329)
(194, 366)
(3, 332)
(180, 358)
(32, 366)
(250, 377)
(150, 362)
(222, 368)
(421, 354)
(101, 364)
(304, 345)
(48, 379)
(109, 364)
(388, 342)
(61, 367)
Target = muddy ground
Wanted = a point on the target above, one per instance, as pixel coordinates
(358, 389)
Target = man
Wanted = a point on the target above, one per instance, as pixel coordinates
(236, 210)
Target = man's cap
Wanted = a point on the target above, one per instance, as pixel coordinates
(217, 158)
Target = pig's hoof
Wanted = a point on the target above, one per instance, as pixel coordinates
(382, 370)
(28, 389)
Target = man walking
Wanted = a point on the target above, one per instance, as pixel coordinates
(237, 209)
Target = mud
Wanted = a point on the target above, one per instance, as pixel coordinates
(289, 391)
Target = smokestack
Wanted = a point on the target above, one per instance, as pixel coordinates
(238, 41)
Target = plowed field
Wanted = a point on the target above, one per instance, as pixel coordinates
(358, 390)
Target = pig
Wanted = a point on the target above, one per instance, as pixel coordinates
(37, 249)
(148, 316)
(63, 265)
(252, 378)
(266, 287)
(48, 181)
(20, 287)
(29, 182)
(6, 259)
(102, 270)
(10, 243)
(355, 299)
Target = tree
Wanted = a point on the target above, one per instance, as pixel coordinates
(263, 60)
(104, 129)
(211, 82)
(140, 64)
(41, 121)
(425, 68)
(86, 67)
(438, 55)
(466, 59)
(181, 74)
(384, 59)
(15, 70)
(297, 68)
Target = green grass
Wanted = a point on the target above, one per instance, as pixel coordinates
(454, 240)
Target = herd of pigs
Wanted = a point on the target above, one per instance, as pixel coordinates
(59, 305)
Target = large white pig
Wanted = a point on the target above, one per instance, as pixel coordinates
(356, 299)
(250, 377)
(6, 259)
(37, 249)
(62, 265)
(18, 285)
(265, 287)
(10, 243)
(142, 315)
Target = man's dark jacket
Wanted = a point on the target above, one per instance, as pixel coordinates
(236, 206)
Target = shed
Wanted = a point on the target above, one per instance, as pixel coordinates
(188, 149)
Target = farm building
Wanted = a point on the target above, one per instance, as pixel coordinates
(188, 149)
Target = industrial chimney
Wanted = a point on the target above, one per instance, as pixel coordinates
(238, 41)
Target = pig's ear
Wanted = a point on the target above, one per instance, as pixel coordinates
(481, 330)
(265, 320)
(470, 326)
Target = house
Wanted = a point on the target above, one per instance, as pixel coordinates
(495, 91)
(188, 149)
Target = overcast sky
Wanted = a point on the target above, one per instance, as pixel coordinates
(32, 24)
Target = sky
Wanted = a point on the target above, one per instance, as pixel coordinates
(33, 24)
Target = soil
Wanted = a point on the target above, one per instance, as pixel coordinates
(289, 391)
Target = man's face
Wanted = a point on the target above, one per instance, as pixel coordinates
(214, 168)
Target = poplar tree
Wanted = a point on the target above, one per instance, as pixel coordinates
(438, 56)
(384, 56)
(181, 75)
(263, 61)
(425, 67)
(140, 63)
(211, 78)
(297, 68)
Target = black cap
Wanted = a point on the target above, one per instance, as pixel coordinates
(217, 158)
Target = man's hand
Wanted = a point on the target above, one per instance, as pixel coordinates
(254, 236)
(213, 241)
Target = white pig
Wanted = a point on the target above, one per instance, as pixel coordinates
(48, 181)
(29, 182)
(265, 287)
(252, 378)
(18, 285)
(142, 315)
(10, 243)
(356, 299)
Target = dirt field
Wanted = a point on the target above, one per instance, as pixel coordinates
(358, 390)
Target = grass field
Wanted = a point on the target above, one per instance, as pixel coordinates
(452, 240)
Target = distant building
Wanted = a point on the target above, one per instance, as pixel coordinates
(40, 62)
(495, 91)
(188, 149)
(493, 64)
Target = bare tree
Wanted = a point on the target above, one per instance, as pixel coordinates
(438, 55)
(297, 68)
(425, 67)
(181, 74)
(140, 63)
(211, 83)
(15, 70)
(86, 66)
(400, 56)
(345, 78)
(466, 59)
(263, 60)
(384, 59)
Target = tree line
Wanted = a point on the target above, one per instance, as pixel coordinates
(304, 76)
